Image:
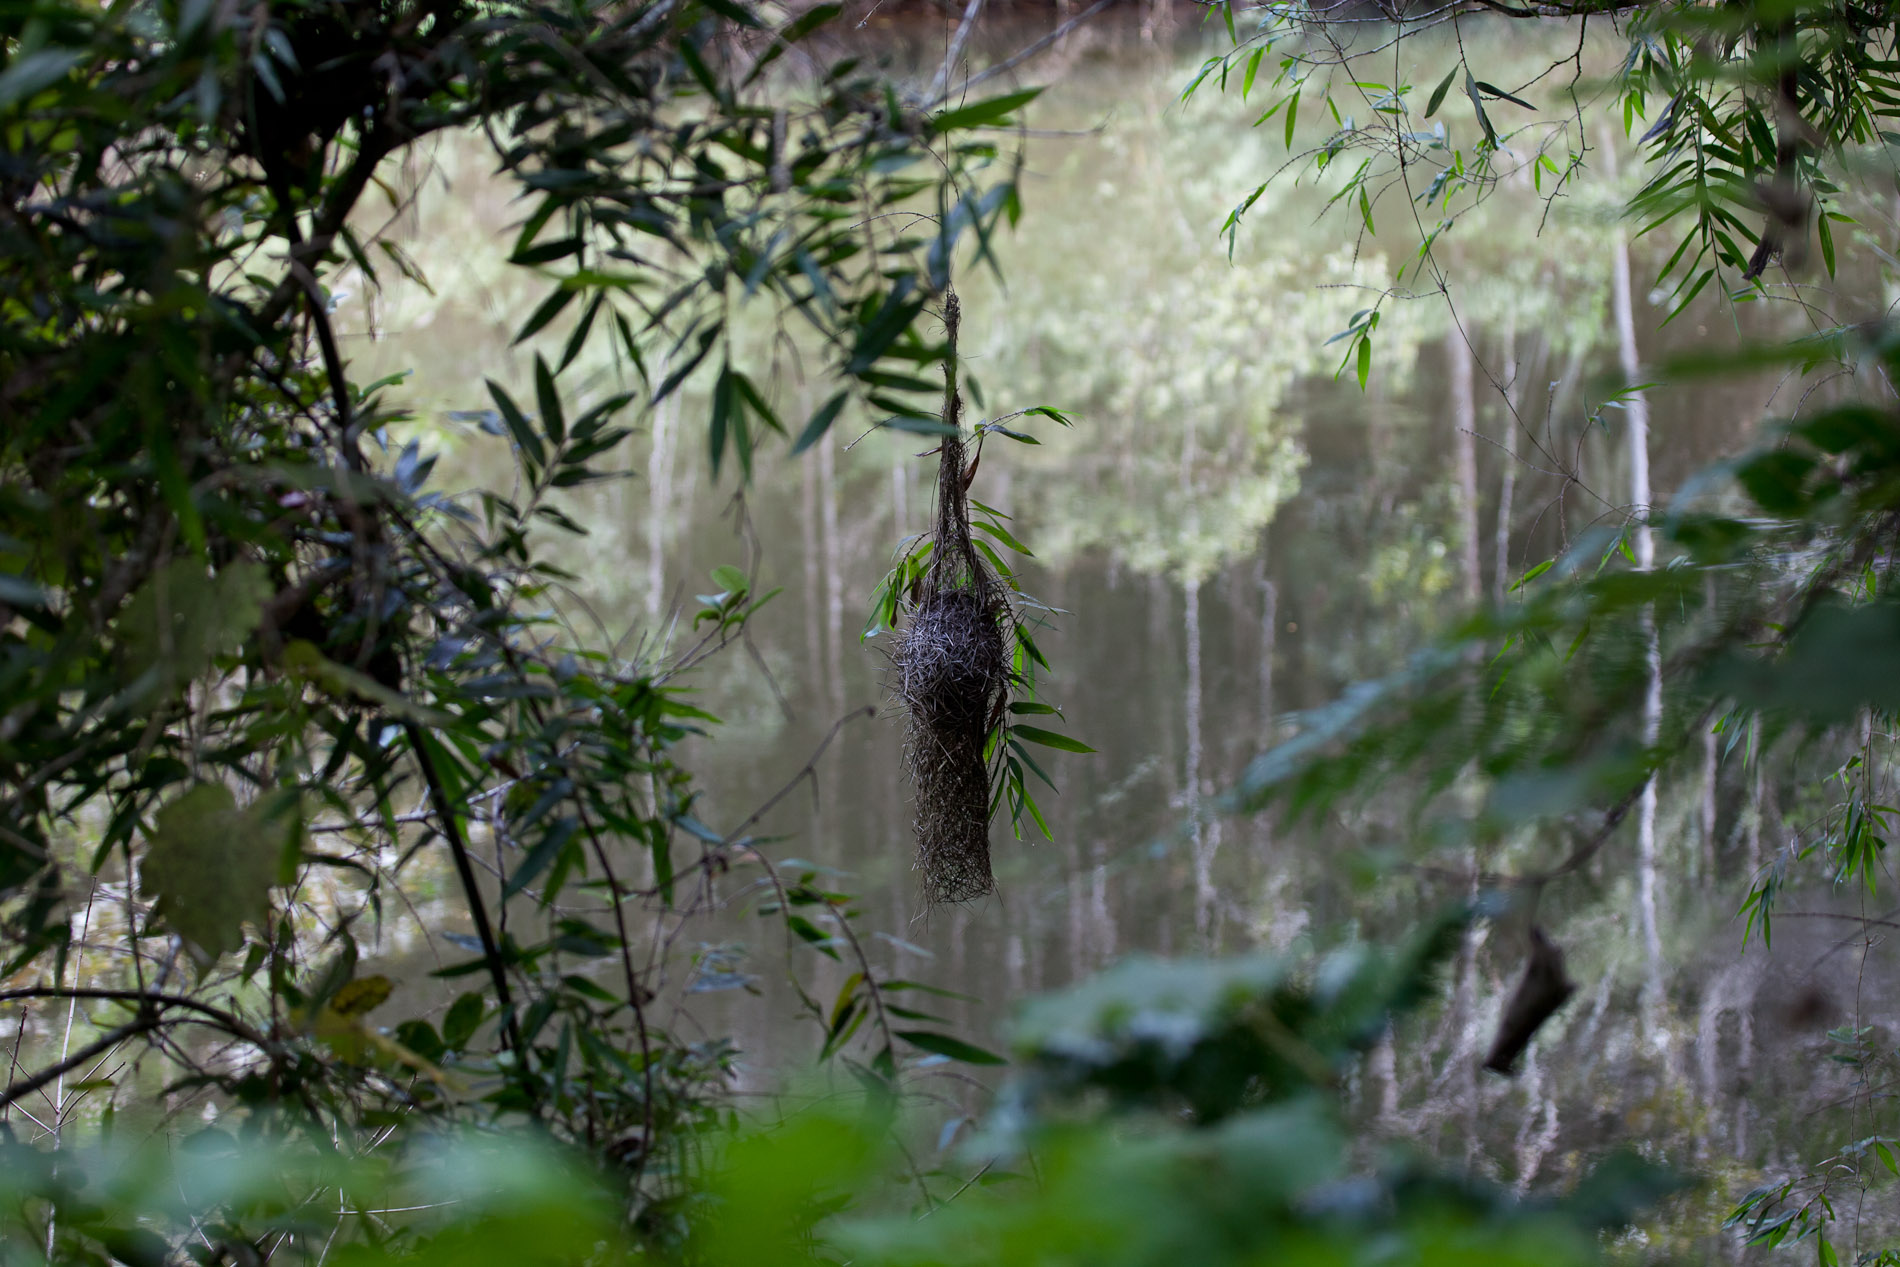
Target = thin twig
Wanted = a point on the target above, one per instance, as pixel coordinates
(33, 1082)
(955, 50)
(1018, 58)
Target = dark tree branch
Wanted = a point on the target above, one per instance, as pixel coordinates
(145, 998)
(98, 1047)
(478, 911)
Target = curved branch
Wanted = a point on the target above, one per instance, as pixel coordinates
(106, 1042)
(478, 912)
(148, 998)
(150, 1005)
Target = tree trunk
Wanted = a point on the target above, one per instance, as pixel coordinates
(1269, 632)
(1464, 459)
(659, 502)
(1202, 837)
(1507, 485)
(834, 571)
(1643, 546)
(811, 549)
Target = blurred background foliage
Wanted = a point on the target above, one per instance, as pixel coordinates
(1167, 1109)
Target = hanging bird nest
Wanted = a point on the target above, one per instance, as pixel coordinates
(950, 671)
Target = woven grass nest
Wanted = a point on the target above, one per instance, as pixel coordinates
(951, 675)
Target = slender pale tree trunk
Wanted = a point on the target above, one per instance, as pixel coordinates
(900, 498)
(1757, 808)
(1507, 484)
(1269, 621)
(1706, 809)
(1161, 649)
(1464, 1039)
(1382, 1070)
(1537, 1136)
(1036, 969)
(1464, 459)
(834, 571)
(813, 557)
(1556, 411)
(1643, 546)
(1102, 914)
(1202, 837)
(1744, 1075)
(1077, 893)
(659, 501)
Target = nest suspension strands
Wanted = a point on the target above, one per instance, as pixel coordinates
(951, 673)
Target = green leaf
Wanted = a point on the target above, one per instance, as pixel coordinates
(820, 422)
(211, 864)
(1534, 573)
(1886, 1156)
(1364, 362)
(892, 987)
(735, 13)
(547, 252)
(811, 933)
(364, 994)
(979, 113)
(1477, 104)
(550, 309)
(944, 1045)
(721, 417)
(996, 530)
(27, 75)
(1438, 93)
(182, 618)
(730, 579)
(1500, 94)
(578, 338)
(420, 1037)
(918, 426)
(464, 1018)
(912, 1014)
(553, 421)
(756, 402)
(1253, 68)
(517, 424)
(18, 591)
(1049, 739)
(795, 30)
(558, 836)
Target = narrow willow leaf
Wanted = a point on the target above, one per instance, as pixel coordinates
(1253, 68)
(981, 113)
(1049, 739)
(550, 309)
(820, 422)
(954, 1048)
(517, 424)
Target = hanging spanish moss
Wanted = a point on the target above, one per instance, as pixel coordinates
(951, 674)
